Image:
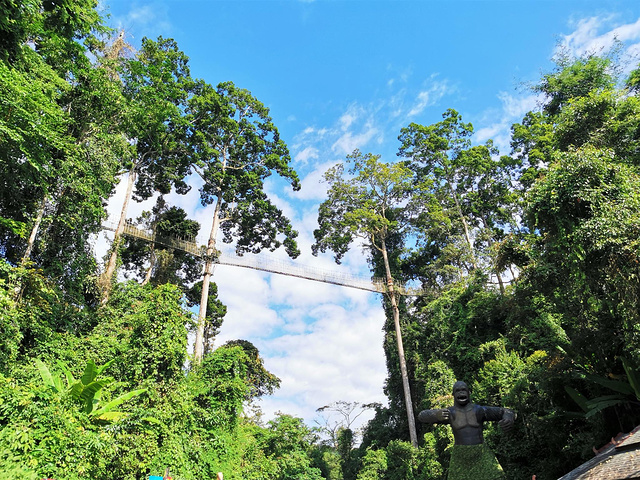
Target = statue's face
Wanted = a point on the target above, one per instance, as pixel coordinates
(461, 394)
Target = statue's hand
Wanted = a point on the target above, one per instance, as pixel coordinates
(507, 420)
(443, 415)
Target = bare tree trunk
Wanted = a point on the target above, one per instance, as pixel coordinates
(500, 282)
(34, 230)
(152, 256)
(198, 348)
(513, 275)
(152, 263)
(491, 244)
(19, 287)
(467, 235)
(403, 365)
(117, 236)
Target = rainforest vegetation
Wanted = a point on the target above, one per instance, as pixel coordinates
(529, 262)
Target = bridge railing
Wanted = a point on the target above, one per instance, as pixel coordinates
(227, 256)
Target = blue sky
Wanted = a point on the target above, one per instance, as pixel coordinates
(340, 75)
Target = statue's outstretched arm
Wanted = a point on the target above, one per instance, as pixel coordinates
(503, 416)
(441, 415)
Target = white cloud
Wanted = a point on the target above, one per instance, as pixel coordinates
(436, 89)
(338, 357)
(497, 122)
(515, 107)
(149, 19)
(303, 156)
(483, 134)
(313, 186)
(588, 36)
(350, 141)
(347, 119)
(245, 292)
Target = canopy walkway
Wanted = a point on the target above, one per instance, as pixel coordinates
(266, 263)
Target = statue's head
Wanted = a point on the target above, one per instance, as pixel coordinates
(461, 395)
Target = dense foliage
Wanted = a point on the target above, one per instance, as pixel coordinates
(96, 381)
(529, 264)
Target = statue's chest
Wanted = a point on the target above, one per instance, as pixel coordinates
(464, 418)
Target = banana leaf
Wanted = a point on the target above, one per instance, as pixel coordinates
(600, 403)
(90, 373)
(45, 374)
(633, 376)
(577, 397)
(98, 413)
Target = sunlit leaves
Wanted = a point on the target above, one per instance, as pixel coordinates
(237, 148)
(367, 199)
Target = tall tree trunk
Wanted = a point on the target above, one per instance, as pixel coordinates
(403, 364)
(491, 244)
(513, 275)
(34, 230)
(152, 263)
(198, 348)
(500, 281)
(117, 237)
(467, 235)
(19, 288)
(152, 255)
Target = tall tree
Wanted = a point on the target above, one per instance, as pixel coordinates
(369, 200)
(62, 139)
(238, 147)
(83, 179)
(156, 84)
(435, 152)
(471, 187)
(215, 312)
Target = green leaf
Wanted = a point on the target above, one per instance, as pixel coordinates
(88, 393)
(578, 398)
(117, 401)
(76, 390)
(45, 374)
(105, 366)
(57, 381)
(633, 376)
(615, 385)
(67, 373)
(90, 373)
(110, 416)
(598, 404)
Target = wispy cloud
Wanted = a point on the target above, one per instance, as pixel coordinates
(303, 156)
(515, 106)
(350, 116)
(436, 90)
(313, 187)
(496, 123)
(368, 126)
(350, 141)
(596, 35)
(356, 127)
(146, 19)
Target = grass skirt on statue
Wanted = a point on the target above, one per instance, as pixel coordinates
(474, 462)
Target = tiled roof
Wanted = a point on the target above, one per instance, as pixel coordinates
(617, 460)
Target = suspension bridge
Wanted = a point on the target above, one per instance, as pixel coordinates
(266, 263)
